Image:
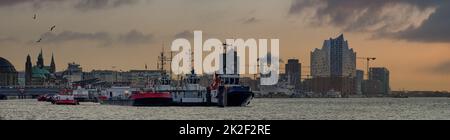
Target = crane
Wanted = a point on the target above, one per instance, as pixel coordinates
(368, 62)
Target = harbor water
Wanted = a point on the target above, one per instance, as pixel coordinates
(259, 109)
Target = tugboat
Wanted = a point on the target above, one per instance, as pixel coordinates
(226, 91)
(157, 96)
(190, 93)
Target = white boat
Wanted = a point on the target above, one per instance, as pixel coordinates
(190, 92)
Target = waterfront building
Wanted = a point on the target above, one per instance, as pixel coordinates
(335, 59)
(292, 71)
(8, 73)
(141, 78)
(39, 74)
(372, 87)
(380, 74)
(73, 73)
(359, 81)
(333, 68)
(108, 76)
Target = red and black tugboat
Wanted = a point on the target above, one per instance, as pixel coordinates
(160, 95)
(157, 96)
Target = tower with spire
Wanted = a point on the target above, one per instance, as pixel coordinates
(52, 65)
(40, 61)
(39, 74)
(28, 71)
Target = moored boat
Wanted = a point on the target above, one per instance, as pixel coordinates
(65, 100)
(160, 95)
(226, 91)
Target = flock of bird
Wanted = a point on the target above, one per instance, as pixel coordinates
(52, 28)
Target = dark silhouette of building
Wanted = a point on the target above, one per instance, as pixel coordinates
(28, 71)
(372, 87)
(292, 71)
(8, 73)
(39, 74)
(359, 80)
(322, 85)
(333, 68)
(334, 59)
(52, 65)
(40, 61)
(382, 75)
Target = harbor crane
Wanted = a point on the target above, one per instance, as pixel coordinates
(368, 59)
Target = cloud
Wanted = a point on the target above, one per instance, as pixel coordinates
(85, 5)
(82, 5)
(443, 68)
(185, 34)
(132, 37)
(413, 20)
(65, 36)
(135, 37)
(15, 2)
(8, 39)
(37, 4)
(436, 29)
(250, 20)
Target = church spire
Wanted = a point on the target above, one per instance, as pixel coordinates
(28, 70)
(40, 61)
(52, 65)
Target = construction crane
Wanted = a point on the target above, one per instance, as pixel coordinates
(368, 62)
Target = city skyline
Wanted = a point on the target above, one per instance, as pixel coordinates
(128, 35)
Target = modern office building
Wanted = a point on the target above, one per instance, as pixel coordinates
(333, 68)
(335, 59)
(359, 81)
(380, 74)
(292, 71)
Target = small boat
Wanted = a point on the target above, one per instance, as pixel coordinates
(65, 100)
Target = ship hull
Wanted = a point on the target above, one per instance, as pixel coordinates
(239, 98)
(232, 97)
(139, 102)
(143, 99)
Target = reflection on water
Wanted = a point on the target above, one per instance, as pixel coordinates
(260, 109)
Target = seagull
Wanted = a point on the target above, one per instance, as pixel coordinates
(34, 17)
(40, 39)
(53, 27)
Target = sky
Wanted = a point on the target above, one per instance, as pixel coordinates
(409, 37)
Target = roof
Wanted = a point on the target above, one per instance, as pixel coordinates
(39, 73)
(6, 66)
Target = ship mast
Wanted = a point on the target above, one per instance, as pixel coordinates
(163, 60)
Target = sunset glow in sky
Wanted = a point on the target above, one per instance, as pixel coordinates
(409, 37)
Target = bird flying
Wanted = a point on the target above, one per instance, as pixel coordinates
(40, 39)
(52, 28)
